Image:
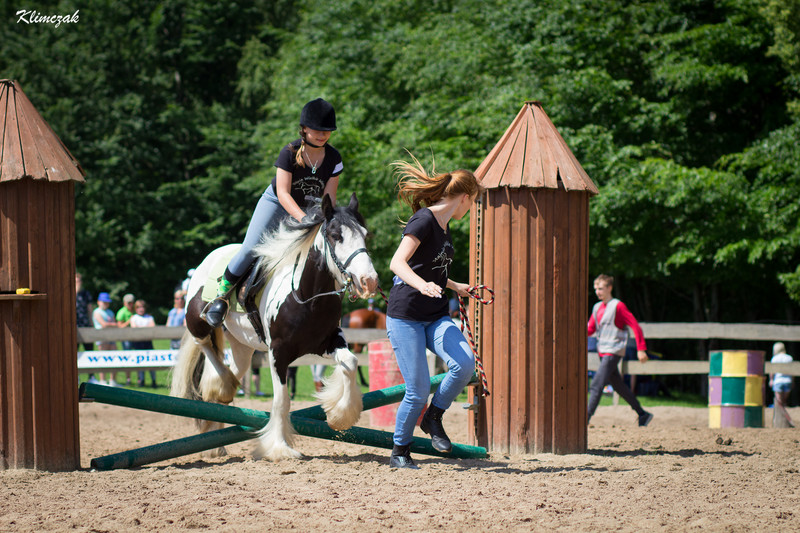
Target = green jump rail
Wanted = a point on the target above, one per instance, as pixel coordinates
(308, 422)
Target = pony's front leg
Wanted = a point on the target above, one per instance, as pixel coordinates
(276, 440)
(341, 395)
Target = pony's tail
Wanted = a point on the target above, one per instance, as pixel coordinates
(187, 371)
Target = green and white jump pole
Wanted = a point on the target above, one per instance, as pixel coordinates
(308, 422)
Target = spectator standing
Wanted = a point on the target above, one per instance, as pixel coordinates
(142, 320)
(124, 321)
(83, 308)
(185, 282)
(177, 316)
(255, 371)
(609, 321)
(317, 375)
(103, 317)
(781, 385)
(83, 312)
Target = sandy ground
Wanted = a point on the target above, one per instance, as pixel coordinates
(670, 476)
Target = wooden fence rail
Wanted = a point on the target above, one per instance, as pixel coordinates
(660, 330)
(715, 330)
(675, 330)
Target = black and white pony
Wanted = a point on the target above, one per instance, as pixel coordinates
(310, 265)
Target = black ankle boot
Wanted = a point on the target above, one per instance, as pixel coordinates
(401, 457)
(432, 424)
(216, 312)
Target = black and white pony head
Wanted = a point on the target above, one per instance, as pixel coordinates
(337, 233)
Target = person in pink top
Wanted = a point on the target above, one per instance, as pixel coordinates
(610, 321)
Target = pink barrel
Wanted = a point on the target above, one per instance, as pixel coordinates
(383, 373)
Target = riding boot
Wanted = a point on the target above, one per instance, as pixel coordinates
(401, 457)
(215, 313)
(432, 424)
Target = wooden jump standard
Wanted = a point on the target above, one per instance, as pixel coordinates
(309, 422)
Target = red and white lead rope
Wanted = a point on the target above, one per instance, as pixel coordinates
(474, 292)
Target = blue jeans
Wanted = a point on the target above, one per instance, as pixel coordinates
(268, 214)
(409, 340)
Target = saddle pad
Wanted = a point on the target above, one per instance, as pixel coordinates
(212, 282)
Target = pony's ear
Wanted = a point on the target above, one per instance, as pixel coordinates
(327, 207)
(353, 203)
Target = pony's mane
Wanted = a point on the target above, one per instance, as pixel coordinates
(282, 246)
(292, 238)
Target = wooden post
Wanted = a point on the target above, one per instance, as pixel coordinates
(529, 241)
(38, 335)
(38, 371)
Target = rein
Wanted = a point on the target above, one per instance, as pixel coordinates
(342, 268)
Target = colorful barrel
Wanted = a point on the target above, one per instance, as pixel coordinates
(736, 389)
(383, 373)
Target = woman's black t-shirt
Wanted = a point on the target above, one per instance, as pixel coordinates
(304, 181)
(430, 261)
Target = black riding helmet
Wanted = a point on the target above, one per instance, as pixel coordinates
(318, 115)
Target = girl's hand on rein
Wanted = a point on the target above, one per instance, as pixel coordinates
(431, 289)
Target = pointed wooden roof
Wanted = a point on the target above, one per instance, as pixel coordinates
(28, 146)
(531, 153)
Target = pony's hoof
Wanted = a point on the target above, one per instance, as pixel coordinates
(276, 453)
(214, 453)
(340, 421)
(342, 414)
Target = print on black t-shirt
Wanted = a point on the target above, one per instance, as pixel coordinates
(310, 185)
(304, 181)
(430, 261)
(443, 260)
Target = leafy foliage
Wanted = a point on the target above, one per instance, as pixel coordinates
(683, 112)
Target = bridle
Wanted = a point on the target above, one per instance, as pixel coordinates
(327, 248)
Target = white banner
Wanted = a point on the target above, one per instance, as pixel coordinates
(101, 359)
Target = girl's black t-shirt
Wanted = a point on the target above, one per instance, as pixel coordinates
(306, 182)
(430, 261)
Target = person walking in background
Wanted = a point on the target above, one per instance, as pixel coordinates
(418, 312)
(142, 320)
(177, 315)
(781, 385)
(102, 318)
(124, 315)
(308, 167)
(609, 321)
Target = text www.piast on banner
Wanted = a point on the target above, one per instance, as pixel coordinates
(34, 17)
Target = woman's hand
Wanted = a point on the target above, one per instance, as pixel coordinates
(462, 289)
(431, 289)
